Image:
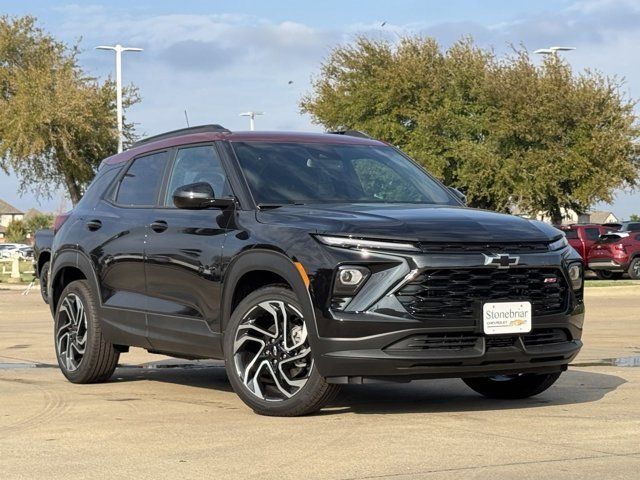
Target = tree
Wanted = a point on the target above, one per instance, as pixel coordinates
(16, 231)
(38, 221)
(506, 132)
(634, 217)
(56, 122)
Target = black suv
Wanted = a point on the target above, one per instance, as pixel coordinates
(307, 261)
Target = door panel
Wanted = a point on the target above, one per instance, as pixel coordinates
(117, 231)
(183, 261)
(183, 281)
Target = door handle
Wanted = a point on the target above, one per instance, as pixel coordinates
(159, 226)
(94, 225)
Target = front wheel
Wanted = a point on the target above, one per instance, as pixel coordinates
(512, 387)
(268, 356)
(634, 268)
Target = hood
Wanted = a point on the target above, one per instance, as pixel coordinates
(410, 222)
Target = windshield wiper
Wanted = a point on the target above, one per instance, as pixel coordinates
(268, 206)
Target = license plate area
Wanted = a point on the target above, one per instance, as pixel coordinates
(500, 318)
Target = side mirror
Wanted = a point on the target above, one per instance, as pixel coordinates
(458, 194)
(198, 196)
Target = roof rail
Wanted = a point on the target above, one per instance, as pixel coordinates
(351, 133)
(212, 128)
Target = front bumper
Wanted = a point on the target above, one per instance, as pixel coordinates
(361, 346)
(357, 360)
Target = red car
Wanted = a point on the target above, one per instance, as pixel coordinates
(582, 237)
(615, 253)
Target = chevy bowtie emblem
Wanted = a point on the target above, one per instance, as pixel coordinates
(501, 260)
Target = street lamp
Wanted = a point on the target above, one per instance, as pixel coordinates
(252, 116)
(553, 50)
(119, 49)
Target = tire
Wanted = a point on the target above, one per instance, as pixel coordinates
(44, 278)
(269, 363)
(84, 356)
(634, 269)
(608, 275)
(512, 387)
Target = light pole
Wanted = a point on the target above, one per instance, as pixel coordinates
(553, 50)
(252, 116)
(119, 49)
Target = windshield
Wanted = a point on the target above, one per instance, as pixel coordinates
(296, 173)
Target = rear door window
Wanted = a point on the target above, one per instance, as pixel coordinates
(140, 185)
(571, 234)
(592, 233)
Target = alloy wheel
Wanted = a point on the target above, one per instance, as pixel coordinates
(71, 336)
(271, 351)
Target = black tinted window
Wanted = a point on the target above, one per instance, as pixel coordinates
(99, 185)
(286, 173)
(197, 164)
(140, 184)
(571, 234)
(592, 233)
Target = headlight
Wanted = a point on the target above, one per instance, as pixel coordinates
(359, 243)
(575, 275)
(559, 244)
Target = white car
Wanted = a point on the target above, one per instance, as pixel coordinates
(7, 249)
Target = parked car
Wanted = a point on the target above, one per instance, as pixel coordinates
(42, 258)
(25, 252)
(582, 236)
(616, 253)
(307, 261)
(8, 249)
(630, 226)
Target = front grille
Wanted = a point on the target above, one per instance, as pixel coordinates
(495, 247)
(436, 341)
(460, 293)
(465, 341)
(545, 337)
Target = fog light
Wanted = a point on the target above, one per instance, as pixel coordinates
(575, 275)
(349, 279)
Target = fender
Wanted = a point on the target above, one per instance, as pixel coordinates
(76, 259)
(272, 261)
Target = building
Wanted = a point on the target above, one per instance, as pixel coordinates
(8, 213)
(570, 217)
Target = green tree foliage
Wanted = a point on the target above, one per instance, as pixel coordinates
(16, 231)
(38, 221)
(634, 217)
(56, 122)
(503, 130)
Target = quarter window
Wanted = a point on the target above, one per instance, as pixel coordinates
(140, 185)
(194, 165)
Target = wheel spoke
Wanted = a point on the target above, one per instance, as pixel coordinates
(270, 350)
(71, 334)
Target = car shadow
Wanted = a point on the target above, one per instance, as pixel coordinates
(452, 395)
(423, 396)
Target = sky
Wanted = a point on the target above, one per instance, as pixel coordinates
(216, 59)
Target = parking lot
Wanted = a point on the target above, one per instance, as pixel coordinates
(165, 418)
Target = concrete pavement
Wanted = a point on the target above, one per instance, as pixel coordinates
(175, 422)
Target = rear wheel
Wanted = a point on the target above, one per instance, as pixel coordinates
(44, 278)
(634, 268)
(608, 275)
(84, 356)
(268, 356)
(523, 385)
